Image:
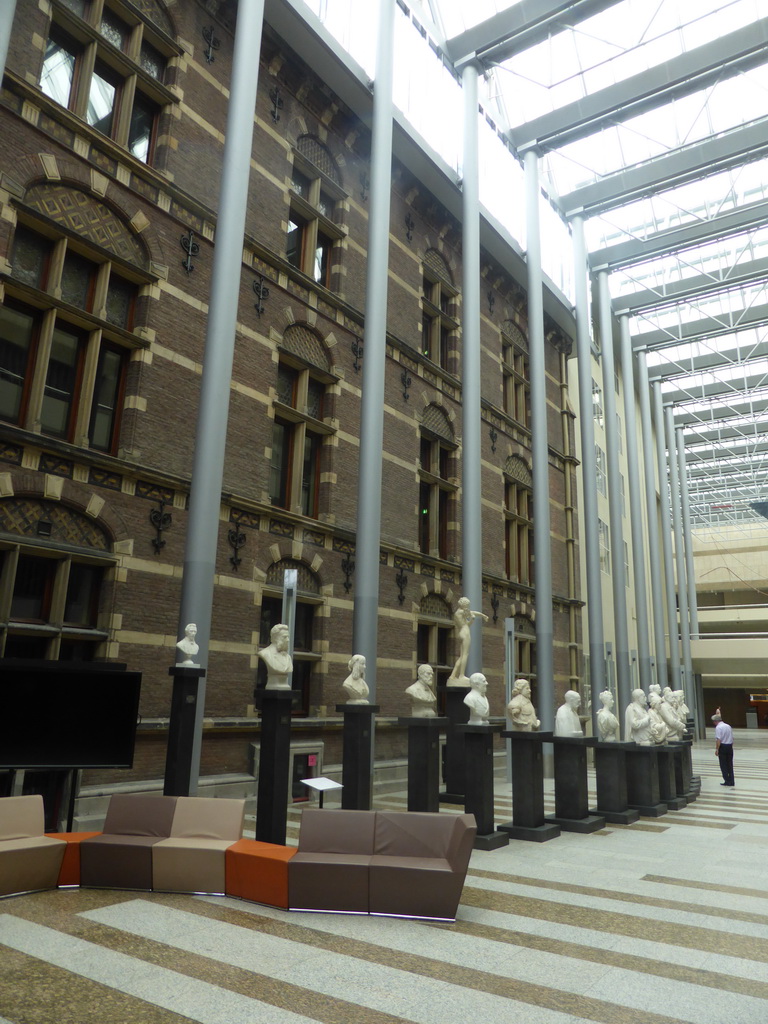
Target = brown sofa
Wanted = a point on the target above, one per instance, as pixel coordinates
(29, 859)
(403, 864)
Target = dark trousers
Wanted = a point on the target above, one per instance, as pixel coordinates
(725, 754)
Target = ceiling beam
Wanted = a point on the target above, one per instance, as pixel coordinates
(716, 387)
(741, 407)
(714, 154)
(707, 327)
(713, 360)
(662, 243)
(519, 27)
(691, 288)
(689, 72)
(712, 432)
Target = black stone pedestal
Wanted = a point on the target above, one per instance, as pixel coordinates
(685, 785)
(478, 800)
(643, 782)
(457, 713)
(611, 779)
(667, 779)
(571, 795)
(274, 764)
(424, 762)
(181, 729)
(356, 757)
(528, 822)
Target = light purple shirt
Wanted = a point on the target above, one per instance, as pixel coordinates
(724, 732)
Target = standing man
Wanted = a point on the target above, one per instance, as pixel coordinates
(724, 747)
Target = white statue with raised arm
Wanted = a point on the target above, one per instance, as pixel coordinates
(463, 618)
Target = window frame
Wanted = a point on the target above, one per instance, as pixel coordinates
(319, 233)
(438, 326)
(518, 531)
(302, 432)
(436, 457)
(516, 382)
(49, 312)
(52, 630)
(305, 659)
(94, 53)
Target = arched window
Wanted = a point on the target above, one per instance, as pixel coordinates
(300, 424)
(518, 521)
(438, 307)
(316, 192)
(516, 373)
(433, 636)
(437, 488)
(53, 562)
(67, 325)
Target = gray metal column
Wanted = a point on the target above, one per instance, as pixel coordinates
(666, 538)
(211, 436)
(693, 608)
(635, 505)
(471, 468)
(692, 694)
(652, 517)
(618, 575)
(7, 12)
(366, 610)
(591, 537)
(677, 527)
(542, 551)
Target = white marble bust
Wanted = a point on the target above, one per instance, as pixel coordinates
(567, 719)
(659, 731)
(637, 721)
(277, 659)
(520, 709)
(476, 700)
(607, 723)
(355, 685)
(188, 647)
(421, 694)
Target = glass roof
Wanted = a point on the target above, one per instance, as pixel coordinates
(653, 85)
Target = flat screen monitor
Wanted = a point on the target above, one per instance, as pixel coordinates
(67, 714)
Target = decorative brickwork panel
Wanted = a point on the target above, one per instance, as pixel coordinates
(306, 580)
(404, 563)
(313, 537)
(154, 492)
(302, 342)
(435, 262)
(524, 626)
(516, 469)
(87, 217)
(447, 576)
(280, 529)
(103, 478)
(428, 570)
(21, 516)
(435, 606)
(243, 518)
(57, 466)
(12, 453)
(346, 547)
(437, 421)
(313, 150)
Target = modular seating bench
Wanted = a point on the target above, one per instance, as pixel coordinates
(367, 862)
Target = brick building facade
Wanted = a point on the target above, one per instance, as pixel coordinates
(112, 119)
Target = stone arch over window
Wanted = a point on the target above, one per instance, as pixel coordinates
(301, 341)
(512, 333)
(436, 264)
(435, 606)
(35, 518)
(307, 580)
(516, 468)
(318, 154)
(436, 421)
(155, 11)
(89, 218)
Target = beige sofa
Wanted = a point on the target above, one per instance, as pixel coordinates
(29, 859)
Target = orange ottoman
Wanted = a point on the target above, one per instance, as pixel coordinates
(70, 866)
(258, 872)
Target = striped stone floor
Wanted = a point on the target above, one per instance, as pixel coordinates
(661, 921)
